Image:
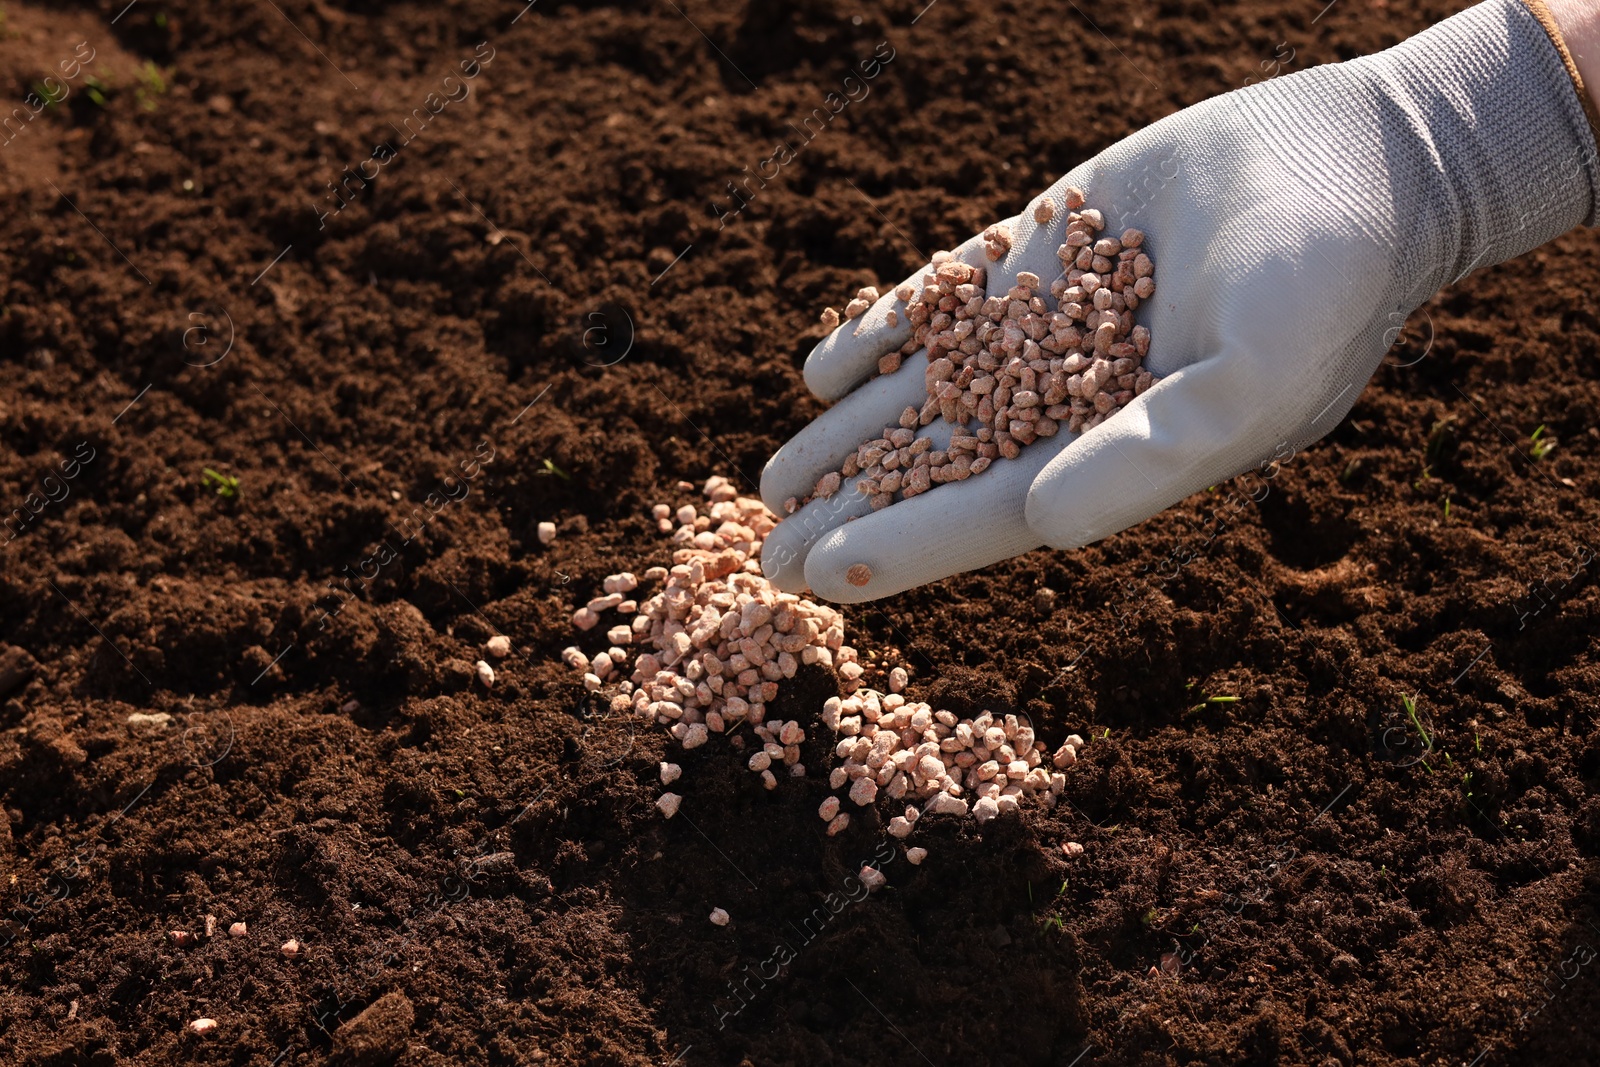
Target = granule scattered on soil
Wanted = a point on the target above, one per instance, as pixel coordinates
(722, 639)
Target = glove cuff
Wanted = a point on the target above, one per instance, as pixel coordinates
(1488, 97)
(1552, 29)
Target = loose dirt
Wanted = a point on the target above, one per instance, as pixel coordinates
(529, 311)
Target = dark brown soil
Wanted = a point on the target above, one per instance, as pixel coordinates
(1282, 865)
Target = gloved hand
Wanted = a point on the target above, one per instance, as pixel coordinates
(1294, 225)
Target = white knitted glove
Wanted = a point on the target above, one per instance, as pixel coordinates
(1294, 224)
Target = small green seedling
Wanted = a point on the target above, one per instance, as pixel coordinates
(1214, 700)
(225, 485)
(49, 98)
(152, 83)
(1437, 437)
(1427, 740)
(96, 89)
(551, 468)
(1541, 444)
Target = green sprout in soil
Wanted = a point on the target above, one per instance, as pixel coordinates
(1427, 740)
(95, 89)
(152, 83)
(1447, 507)
(1541, 444)
(1437, 438)
(550, 468)
(1477, 740)
(1214, 700)
(1055, 921)
(226, 485)
(44, 94)
(1351, 469)
(161, 20)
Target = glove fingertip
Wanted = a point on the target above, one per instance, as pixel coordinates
(1052, 517)
(822, 373)
(841, 582)
(770, 489)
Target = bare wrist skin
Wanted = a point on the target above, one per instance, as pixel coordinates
(1579, 24)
